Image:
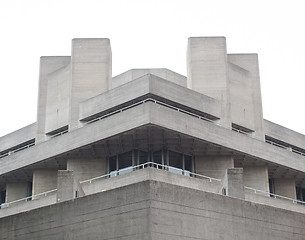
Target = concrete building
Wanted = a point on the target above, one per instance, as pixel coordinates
(151, 154)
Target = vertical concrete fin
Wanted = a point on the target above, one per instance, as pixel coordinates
(49, 71)
(65, 183)
(245, 92)
(91, 69)
(233, 183)
(207, 71)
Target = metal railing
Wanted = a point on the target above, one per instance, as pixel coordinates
(273, 195)
(149, 100)
(59, 133)
(16, 150)
(151, 164)
(29, 198)
(214, 121)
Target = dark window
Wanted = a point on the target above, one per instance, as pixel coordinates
(188, 165)
(113, 166)
(125, 163)
(2, 196)
(175, 161)
(271, 187)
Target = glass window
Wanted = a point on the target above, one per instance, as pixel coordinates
(125, 163)
(112, 166)
(175, 162)
(188, 165)
(157, 158)
(143, 157)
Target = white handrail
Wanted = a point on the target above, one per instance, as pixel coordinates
(16, 150)
(26, 199)
(257, 191)
(149, 164)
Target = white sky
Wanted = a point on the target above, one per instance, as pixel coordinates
(153, 34)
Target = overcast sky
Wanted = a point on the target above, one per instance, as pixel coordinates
(149, 34)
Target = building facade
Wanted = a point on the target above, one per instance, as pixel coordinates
(152, 154)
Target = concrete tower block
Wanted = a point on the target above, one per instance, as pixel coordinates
(245, 92)
(91, 68)
(53, 95)
(207, 71)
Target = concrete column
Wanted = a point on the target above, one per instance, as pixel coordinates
(233, 183)
(256, 177)
(285, 187)
(245, 92)
(207, 71)
(212, 166)
(44, 180)
(16, 190)
(85, 169)
(91, 72)
(65, 183)
(48, 65)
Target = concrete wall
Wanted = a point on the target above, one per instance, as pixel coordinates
(285, 187)
(245, 92)
(256, 177)
(207, 71)
(154, 210)
(145, 86)
(84, 169)
(51, 68)
(17, 137)
(91, 72)
(16, 190)
(44, 180)
(160, 72)
(212, 166)
(284, 134)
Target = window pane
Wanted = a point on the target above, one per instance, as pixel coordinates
(143, 156)
(158, 158)
(188, 165)
(112, 166)
(125, 163)
(175, 161)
